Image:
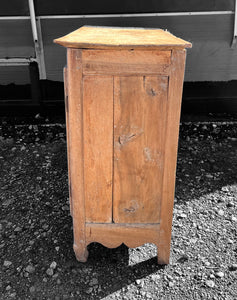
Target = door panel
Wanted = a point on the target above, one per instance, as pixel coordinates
(98, 147)
(140, 105)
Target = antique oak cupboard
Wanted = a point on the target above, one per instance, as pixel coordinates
(123, 90)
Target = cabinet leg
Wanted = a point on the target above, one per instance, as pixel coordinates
(163, 255)
(81, 252)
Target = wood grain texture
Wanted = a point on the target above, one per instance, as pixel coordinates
(140, 104)
(67, 135)
(75, 110)
(98, 147)
(170, 158)
(112, 37)
(126, 62)
(113, 235)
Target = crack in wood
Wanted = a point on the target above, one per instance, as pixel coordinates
(152, 92)
(130, 209)
(125, 138)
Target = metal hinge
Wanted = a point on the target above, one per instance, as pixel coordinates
(234, 40)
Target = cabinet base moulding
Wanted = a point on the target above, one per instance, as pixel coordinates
(113, 235)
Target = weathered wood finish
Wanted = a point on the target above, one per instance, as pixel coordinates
(113, 235)
(98, 147)
(75, 110)
(139, 134)
(125, 62)
(121, 38)
(170, 148)
(123, 122)
(67, 134)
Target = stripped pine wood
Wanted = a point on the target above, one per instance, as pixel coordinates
(170, 147)
(132, 235)
(75, 113)
(126, 62)
(98, 147)
(122, 122)
(121, 38)
(67, 134)
(140, 104)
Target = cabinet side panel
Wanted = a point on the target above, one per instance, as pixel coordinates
(75, 140)
(98, 147)
(140, 104)
(170, 159)
(67, 132)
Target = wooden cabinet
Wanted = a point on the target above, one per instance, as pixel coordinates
(123, 90)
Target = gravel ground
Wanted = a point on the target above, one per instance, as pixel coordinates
(36, 256)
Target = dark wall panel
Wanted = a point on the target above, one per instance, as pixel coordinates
(43, 7)
(16, 39)
(13, 74)
(210, 59)
(14, 8)
(124, 6)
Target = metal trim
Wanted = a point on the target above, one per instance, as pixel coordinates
(200, 13)
(14, 18)
(175, 14)
(16, 61)
(33, 21)
(234, 40)
(37, 38)
(41, 60)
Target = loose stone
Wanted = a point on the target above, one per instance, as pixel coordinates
(32, 289)
(53, 265)
(89, 290)
(171, 284)
(220, 274)
(155, 277)
(94, 281)
(7, 263)
(49, 272)
(221, 212)
(17, 229)
(12, 295)
(210, 283)
(30, 269)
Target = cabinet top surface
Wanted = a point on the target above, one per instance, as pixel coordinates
(93, 37)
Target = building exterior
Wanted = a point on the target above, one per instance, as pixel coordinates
(28, 27)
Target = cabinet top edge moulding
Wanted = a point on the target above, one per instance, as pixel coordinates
(99, 37)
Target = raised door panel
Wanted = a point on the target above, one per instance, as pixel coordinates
(98, 147)
(140, 105)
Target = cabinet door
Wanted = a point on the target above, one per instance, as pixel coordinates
(140, 108)
(98, 147)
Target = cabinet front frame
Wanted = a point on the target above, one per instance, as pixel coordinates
(137, 65)
(78, 65)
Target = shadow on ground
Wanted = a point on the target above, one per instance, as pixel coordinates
(36, 227)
